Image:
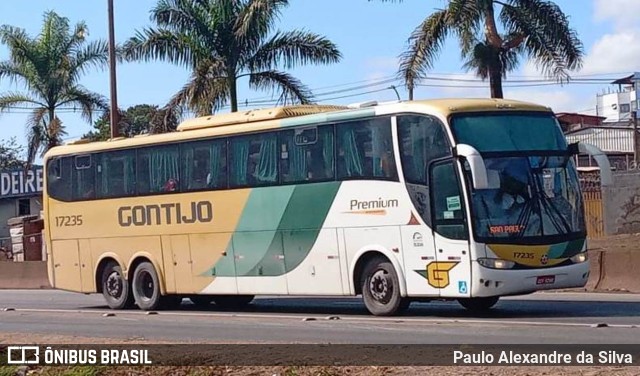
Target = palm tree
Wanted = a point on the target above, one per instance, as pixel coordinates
(221, 41)
(49, 67)
(536, 29)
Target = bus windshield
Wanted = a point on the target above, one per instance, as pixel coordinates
(538, 194)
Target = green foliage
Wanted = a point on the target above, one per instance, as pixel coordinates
(49, 67)
(221, 41)
(533, 29)
(139, 119)
(11, 154)
(8, 370)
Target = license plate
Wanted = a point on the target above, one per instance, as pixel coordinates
(546, 280)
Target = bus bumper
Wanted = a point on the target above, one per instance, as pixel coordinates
(495, 282)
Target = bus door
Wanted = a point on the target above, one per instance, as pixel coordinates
(451, 271)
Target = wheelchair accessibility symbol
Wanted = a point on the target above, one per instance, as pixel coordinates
(462, 287)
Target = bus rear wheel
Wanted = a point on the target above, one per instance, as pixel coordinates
(381, 289)
(146, 287)
(115, 288)
(479, 305)
(232, 301)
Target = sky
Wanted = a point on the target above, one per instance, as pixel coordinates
(370, 34)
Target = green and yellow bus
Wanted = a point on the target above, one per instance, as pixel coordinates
(466, 199)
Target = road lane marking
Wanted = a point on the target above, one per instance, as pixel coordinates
(321, 318)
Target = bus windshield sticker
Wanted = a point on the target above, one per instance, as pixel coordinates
(506, 229)
(448, 215)
(453, 203)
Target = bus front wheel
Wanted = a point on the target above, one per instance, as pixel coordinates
(146, 287)
(478, 305)
(381, 289)
(115, 288)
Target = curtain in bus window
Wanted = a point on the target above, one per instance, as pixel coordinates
(103, 171)
(267, 169)
(352, 157)
(129, 175)
(240, 160)
(189, 165)
(163, 170)
(215, 178)
(84, 184)
(327, 151)
(297, 161)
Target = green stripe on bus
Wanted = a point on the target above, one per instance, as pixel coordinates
(273, 253)
(298, 230)
(566, 249)
(256, 230)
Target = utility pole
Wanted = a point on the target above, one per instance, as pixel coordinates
(634, 119)
(112, 74)
(635, 109)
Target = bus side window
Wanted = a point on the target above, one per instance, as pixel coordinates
(158, 169)
(365, 150)
(204, 165)
(303, 160)
(84, 178)
(253, 160)
(59, 178)
(116, 174)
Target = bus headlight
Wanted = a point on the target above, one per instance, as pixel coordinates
(496, 263)
(579, 258)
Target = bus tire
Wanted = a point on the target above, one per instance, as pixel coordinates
(115, 288)
(146, 287)
(381, 288)
(232, 301)
(479, 305)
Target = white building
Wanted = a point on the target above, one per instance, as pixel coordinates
(617, 107)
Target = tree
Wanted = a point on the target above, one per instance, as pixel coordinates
(536, 29)
(49, 67)
(221, 41)
(11, 154)
(139, 119)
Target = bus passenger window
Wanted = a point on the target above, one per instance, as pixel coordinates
(158, 169)
(59, 178)
(306, 161)
(254, 160)
(422, 139)
(84, 178)
(116, 174)
(365, 150)
(204, 165)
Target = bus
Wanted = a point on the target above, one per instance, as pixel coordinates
(461, 199)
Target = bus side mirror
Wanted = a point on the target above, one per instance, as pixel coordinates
(479, 175)
(606, 178)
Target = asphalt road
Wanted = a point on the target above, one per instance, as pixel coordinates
(538, 318)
